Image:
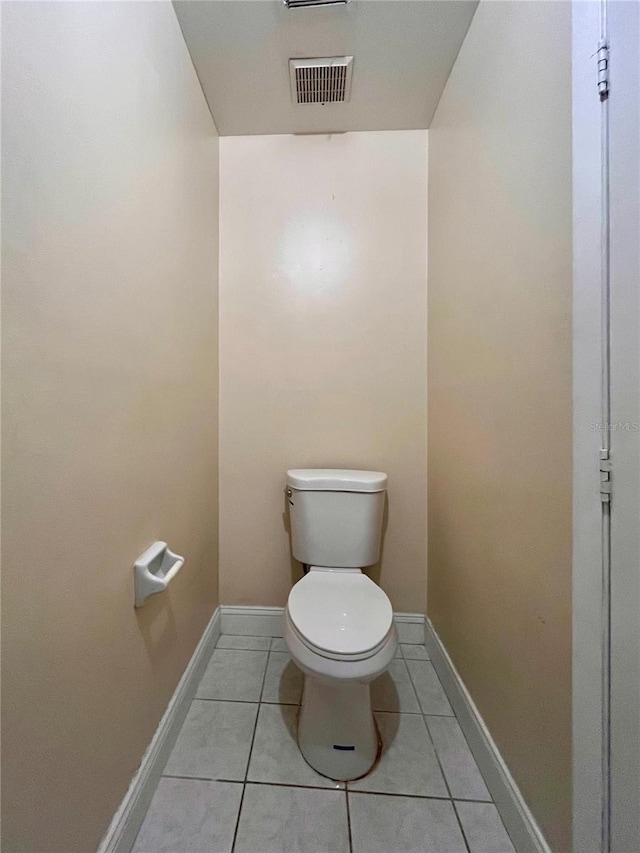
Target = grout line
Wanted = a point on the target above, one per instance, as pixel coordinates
(346, 796)
(346, 789)
(249, 701)
(404, 796)
(250, 782)
(202, 778)
(255, 727)
(246, 771)
(251, 651)
(425, 713)
(268, 650)
(193, 778)
(415, 691)
(234, 701)
(483, 803)
(453, 717)
(259, 636)
(468, 800)
(455, 811)
(264, 680)
(248, 637)
(235, 831)
(289, 785)
(443, 716)
(235, 649)
(446, 782)
(413, 687)
(409, 796)
(398, 711)
(435, 752)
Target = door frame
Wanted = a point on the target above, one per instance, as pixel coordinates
(624, 32)
(605, 712)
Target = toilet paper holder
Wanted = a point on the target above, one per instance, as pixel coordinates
(153, 571)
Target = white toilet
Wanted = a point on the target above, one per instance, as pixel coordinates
(338, 623)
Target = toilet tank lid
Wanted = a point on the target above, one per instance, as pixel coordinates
(336, 480)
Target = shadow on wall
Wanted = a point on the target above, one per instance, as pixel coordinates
(374, 572)
(158, 628)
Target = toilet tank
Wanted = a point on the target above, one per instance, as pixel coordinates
(336, 516)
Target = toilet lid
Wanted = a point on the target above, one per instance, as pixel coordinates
(341, 612)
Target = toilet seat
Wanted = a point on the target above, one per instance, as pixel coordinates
(340, 614)
(338, 656)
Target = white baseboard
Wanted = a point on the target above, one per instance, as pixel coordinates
(410, 628)
(516, 815)
(267, 622)
(252, 621)
(127, 821)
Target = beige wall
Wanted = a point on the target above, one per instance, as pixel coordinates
(322, 343)
(500, 389)
(110, 370)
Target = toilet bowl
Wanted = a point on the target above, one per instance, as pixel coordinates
(340, 632)
(338, 623)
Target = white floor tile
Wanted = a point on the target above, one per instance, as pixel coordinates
(483, 828)
(233, 674)
(410, 632)
(236, 641)
(400, 814)
(189, 816)
(283, 680)
(414, 652)
(382, 824)
(292, 820)
(433, 699)
(408, 764)
(393, 691)
(275, 756)
(460, 769)
(214, 741)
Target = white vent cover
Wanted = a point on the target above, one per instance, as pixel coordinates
(321, 81)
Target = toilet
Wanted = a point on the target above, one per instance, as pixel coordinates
(338, 623)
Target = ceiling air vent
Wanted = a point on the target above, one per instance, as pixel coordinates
(321, 81)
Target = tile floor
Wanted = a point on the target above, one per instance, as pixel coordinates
(236, 782)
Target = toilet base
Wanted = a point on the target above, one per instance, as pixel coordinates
(337, 733)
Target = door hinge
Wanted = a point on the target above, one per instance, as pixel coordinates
(603, 70)
(605, 476)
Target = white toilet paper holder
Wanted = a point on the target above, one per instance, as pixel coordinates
(153, 571)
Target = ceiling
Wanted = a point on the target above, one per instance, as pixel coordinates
(403, 51)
